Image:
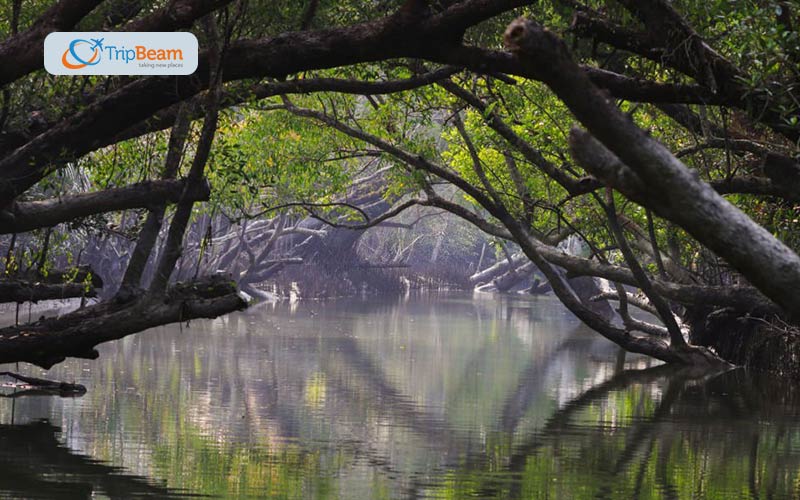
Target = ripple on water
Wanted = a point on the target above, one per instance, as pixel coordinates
(437, 396)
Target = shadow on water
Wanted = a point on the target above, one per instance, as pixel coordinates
(34, 463)
(435, 397)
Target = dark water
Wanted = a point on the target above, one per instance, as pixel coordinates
(431, 397)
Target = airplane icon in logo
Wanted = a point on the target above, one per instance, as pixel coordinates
(97, 43)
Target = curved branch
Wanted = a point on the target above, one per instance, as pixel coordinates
(308, 205)
(745, 298)
(23, 53)
(393, 212)
(572, 185)
(278, 56)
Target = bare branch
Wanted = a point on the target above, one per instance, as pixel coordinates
(634, 300)
(29, 215)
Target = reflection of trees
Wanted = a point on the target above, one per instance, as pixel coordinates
(33, 460)
(718, 418)
(387, 400)
(354, 404)
(647, 439)
(640, 434)
(530, 385)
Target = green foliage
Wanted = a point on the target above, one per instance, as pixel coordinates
(264, 159)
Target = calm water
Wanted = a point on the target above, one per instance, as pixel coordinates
(447, 396)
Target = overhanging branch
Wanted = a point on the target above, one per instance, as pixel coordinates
(50, 341)
(29, 215)
(24, 291)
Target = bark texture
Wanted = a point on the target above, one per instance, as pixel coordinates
(50, 341)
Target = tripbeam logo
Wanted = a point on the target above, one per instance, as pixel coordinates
(80, 60)
(117, 53)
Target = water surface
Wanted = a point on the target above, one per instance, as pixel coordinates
(432, 396)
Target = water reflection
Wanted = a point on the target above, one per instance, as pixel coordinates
(34, 463)
(434, 396)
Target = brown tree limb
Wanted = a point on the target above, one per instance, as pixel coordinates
(50, 341)
(19, 291)
(643, 281)
(25, 216)
(486, 61)
(176, 15)
(760, 186)
(744, 298)
(155, 217)
(173, 245)
(23, 53)
(675, 193)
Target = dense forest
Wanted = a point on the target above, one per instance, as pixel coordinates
(629, 157)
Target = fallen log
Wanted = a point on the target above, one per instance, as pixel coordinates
(514, 276)
(50, 341)
(540, 288)
(498, 269)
